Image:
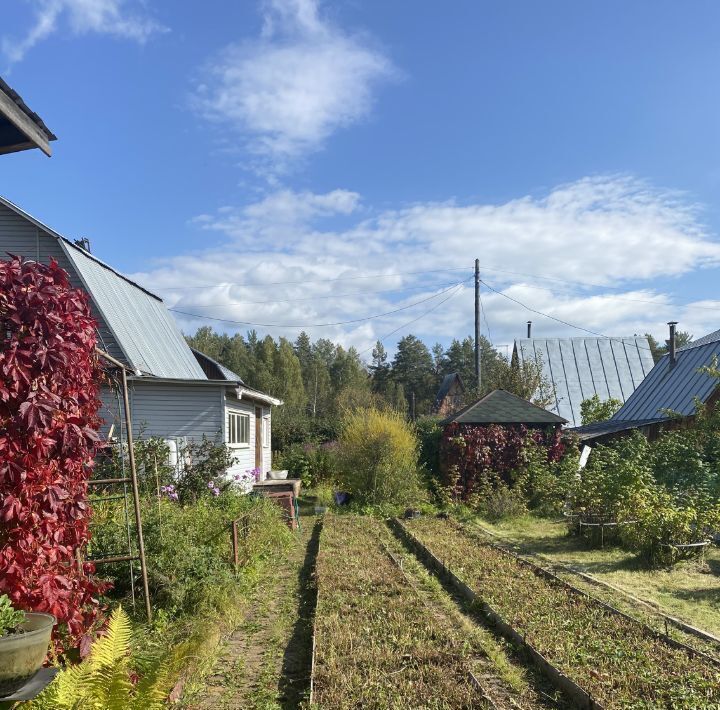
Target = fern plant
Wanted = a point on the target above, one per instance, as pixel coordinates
(102, 680)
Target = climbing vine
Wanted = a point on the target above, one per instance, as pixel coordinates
(49, 384)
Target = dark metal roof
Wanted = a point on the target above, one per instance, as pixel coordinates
(578, 368)
(709, 338)
(445, 387)
(501, 407)
(13, 114)
(674, 388)
(610, 426)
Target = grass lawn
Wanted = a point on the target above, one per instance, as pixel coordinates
(689, 590)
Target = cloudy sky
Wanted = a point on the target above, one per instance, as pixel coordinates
(338, 166)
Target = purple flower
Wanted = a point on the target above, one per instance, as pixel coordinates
(216, 491)
(211, 484)
(173, 496)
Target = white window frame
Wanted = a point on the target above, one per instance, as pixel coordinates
(235, 422)
(266, 432)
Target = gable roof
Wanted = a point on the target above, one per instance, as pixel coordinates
(21, 128)
(674, 388)
(578, 368)
(138, 319)
(445, 386)
(502, 407)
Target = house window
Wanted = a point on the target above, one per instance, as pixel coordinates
(266, 432)
(238, 430)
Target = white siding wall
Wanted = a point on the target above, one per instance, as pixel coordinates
(246, 456)
(175, 409)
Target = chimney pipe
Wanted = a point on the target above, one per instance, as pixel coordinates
(671, 342)
(529, 329)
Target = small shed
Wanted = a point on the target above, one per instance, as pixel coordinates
(450, 396)
(483, 443)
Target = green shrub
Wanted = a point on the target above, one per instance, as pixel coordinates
(10, 618)
(313, 463)
(594, 409)
(545, 484)
(188, 547)
(378, 458)
(502, 502)
(429, 433)
(616, 480)
(666, 521)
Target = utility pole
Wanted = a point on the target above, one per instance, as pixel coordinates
(477, 325)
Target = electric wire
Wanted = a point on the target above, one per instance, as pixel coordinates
(320, 298)
(558, 320)
(414, 320)
(316, 325)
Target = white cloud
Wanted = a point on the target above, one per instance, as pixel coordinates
(112, 17)
(614, 232)
(290, 89)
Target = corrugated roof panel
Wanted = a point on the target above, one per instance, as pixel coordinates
(675, 388)
(143, 327)
(579, 368)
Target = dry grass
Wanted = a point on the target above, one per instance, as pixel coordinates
(377, 645)
(689, 590)
(616, 661)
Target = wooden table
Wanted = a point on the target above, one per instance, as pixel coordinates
(287, 484)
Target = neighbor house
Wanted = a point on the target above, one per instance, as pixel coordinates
(667, 397)
(578, 368)
(20, 128)
(451, 395)
(176, 393)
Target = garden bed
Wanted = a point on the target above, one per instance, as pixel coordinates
(617, 662)
(376, 646)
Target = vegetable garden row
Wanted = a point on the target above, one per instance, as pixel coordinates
(376, 645)
(617, 662)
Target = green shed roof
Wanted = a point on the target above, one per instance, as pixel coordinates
(501, 407)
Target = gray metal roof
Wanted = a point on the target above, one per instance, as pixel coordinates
(674, 388)
(596, 430)
(215, 370)
(578, 368)
(138, 319)
(140, 322)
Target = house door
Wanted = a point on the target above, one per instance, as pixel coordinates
(258, 438)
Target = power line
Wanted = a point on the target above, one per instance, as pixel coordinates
(309, 281)
(414, 320)
(320, 298)
(487, 325)
(636, 300)
(315, 325)
(558, 320)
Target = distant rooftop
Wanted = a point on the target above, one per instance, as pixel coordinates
(578, 368)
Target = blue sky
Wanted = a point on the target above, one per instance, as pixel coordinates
(255, 151)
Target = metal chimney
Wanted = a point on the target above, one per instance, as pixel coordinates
(83, 243)
(671, 342)
(529, 329)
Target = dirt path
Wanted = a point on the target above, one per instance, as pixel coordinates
(265, 663)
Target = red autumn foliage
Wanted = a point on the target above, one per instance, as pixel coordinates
(49, 385)
(475, 452)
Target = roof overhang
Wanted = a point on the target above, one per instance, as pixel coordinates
(257, 396)
(20, 128)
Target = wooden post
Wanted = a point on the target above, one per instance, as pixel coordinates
(135, 493)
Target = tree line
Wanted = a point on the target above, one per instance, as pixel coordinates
(319, 381)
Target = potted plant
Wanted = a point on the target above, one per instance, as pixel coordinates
(24, 640)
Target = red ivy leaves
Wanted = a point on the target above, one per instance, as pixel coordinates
(477, 450)
(49, 385)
